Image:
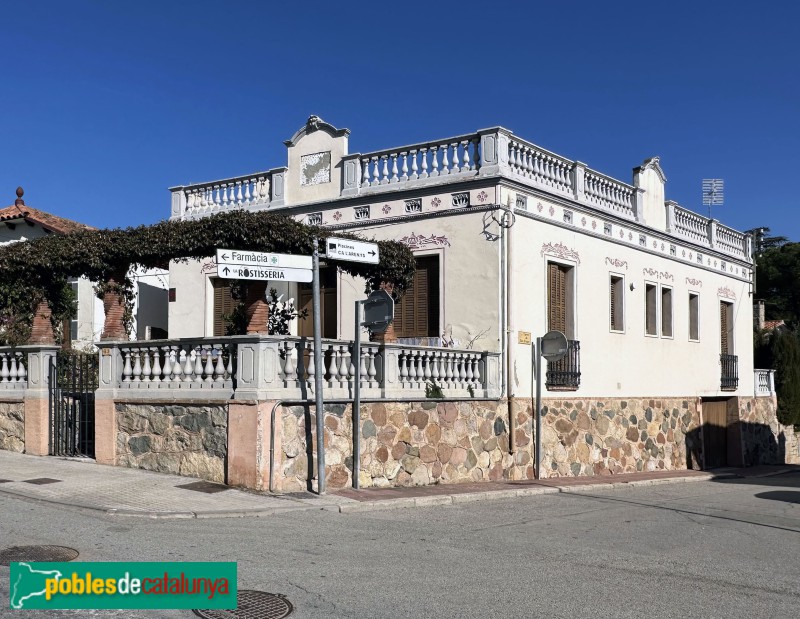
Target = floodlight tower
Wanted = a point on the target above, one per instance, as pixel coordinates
(713, 193)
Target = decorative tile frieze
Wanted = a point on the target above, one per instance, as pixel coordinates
(642, 240)
(567, 216)
(559, 250)
(673, 251)
(460, 200)
(413, 206)
(420, 241)
(436, 202)
(616, 262)
(522, 202)
(314, 219)
(658, 274)
(361, 213)
(482, 197)
(607, 228)
(337, 216)
(386, 209)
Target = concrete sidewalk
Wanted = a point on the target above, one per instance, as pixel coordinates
(121, 491)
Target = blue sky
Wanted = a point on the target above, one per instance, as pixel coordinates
(106, 104)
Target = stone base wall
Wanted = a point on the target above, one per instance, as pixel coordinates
(409, 444)
(184, 440)
(619, 435)
(12, 426)
(764, 440)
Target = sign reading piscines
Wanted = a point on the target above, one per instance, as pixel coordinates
(243, 264)
(354, 251)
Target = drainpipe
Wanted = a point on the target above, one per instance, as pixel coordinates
(508, 225)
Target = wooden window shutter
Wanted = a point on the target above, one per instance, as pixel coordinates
(416, 314)
(223, 304)
(723, 327)
(613, 304)
(557, 297)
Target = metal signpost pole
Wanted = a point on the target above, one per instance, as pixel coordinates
(538, 408)
(319, 370)
(357, 398)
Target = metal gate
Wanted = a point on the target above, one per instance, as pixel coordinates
(73, 380)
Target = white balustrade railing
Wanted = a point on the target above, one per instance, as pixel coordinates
(542, 167)
(219, 196)
(179, 364)
(609, 194)
(764, 382)
(730, 241)
(283, 367)
(13, 374)
(691, 226)
(459, 155)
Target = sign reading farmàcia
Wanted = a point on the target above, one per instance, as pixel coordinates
(260, 265)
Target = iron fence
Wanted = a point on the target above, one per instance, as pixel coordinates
(565, 374)
(730, 371)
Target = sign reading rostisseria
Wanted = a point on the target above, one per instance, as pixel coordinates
(260, 265)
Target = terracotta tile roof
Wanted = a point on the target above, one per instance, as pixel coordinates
(773, 324)
(54, 223)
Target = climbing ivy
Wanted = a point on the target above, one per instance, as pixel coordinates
(39, 268)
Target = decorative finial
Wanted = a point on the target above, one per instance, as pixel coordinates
(19, 201)
(313, 121)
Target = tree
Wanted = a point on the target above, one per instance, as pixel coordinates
(785, 349)
(762, 242)
(778, 282)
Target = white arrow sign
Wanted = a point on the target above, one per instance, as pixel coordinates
(354, 251)
(237, 271)
(242, 257)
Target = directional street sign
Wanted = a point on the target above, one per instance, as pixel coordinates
(237, 271)
(354, 251)
(240, 257)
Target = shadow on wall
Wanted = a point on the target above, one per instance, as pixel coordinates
(736, 444)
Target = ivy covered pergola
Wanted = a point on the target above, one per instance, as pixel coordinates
(34, 290)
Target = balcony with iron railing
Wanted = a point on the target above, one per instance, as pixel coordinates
(729, 365)
(565, 374)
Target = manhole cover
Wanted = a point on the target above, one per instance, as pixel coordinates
(36, 553)
(252, 605)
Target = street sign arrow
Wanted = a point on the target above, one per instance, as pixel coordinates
(226, 270)
(352, 251)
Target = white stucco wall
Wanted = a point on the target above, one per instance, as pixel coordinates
(630, 363)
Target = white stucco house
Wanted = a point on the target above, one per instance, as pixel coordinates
(20, 222)
(513, 240)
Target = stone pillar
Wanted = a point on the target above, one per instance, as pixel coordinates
(579, 178)
(114, 306)
(37, 399)
(257, 308)
(248, 463)
(42, 328)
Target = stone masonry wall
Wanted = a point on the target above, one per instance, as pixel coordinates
(408, 444)
(12, 426)
(185, 440)
(615, 435)
(764, 440)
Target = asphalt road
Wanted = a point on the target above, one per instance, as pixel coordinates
(705, 549)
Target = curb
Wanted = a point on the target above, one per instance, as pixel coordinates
(493, 495)
(172, 515)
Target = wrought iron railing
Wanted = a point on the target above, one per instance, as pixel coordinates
(729, 365)
(565, 374)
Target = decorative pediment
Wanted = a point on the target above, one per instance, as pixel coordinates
(653, 163)
(315, 123)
